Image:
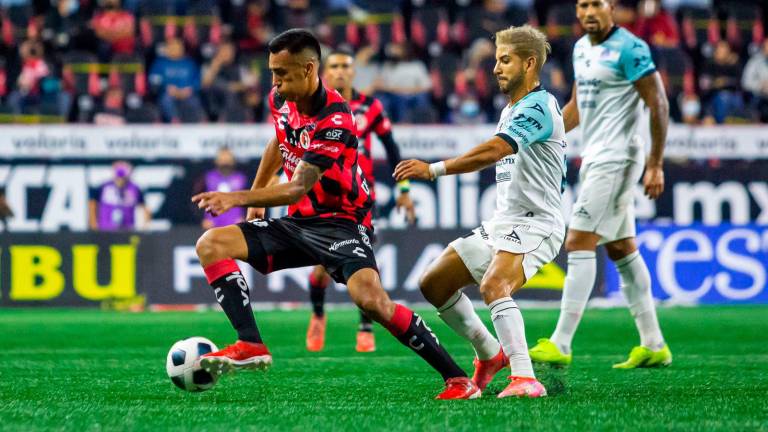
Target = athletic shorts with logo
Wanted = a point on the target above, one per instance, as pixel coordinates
(606, 202)
(539, 245)
(343, 247)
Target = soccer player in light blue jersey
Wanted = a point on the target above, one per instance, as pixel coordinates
(614, 73)
(527, 227)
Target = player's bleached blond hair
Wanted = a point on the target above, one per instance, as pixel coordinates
(526, 42)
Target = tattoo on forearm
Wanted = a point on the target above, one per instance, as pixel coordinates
(307, 175)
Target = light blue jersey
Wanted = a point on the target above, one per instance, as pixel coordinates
(529, 182)
(609, 105)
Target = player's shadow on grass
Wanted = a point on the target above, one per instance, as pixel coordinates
(554, 379)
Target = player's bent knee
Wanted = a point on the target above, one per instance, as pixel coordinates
(210, 247)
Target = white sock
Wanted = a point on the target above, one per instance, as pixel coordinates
(582, 267)
(460, 316)
(510, 329)
(636, 286)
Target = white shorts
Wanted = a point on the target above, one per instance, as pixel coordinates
(477, 249)
(606, 201)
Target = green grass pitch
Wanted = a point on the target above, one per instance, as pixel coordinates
(92, 370)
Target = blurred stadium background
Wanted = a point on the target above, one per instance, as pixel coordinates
(84, 84)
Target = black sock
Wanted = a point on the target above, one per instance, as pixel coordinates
(366, 324)
(412, 332)
(317, 295)
(231, 292)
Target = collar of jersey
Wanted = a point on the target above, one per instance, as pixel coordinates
(318, 99)
(535, 89)
(614, 29)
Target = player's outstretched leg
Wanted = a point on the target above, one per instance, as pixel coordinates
(636, 286)
(579, 280)
(318, 283)
(365, 339)
(411, 330)
(441, 285)
(505, 276)
(217, 249)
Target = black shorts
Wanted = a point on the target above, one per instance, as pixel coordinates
(341, 246)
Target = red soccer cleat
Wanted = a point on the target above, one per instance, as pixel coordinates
(459, 388)
(485, 370)
(365, 342)
(240, 355)
(523, 387)
(316, 333)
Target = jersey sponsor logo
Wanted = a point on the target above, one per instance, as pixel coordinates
(340, 244)
(334, 134)
(503, 177)
(483, 233)
(513, 237)
(261, 223)
(337, 119)
(324, 148)
(583, 213)
(526, 122)
(290, 158)
(359, 252)
(641, 61)
(364, 235)
(538, 108)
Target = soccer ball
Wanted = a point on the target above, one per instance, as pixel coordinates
(183, 364)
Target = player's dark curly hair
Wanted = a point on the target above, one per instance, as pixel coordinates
(295, 41)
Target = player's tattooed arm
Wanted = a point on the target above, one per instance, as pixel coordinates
(571, 112)
(304, 177)
(651, 90)
(479, 157)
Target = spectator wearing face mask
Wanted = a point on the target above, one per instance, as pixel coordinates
(223, 178)
(27, 95)
(113, 205)
(656, 26)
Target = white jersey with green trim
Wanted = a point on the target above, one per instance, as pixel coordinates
(529, 183)
(609, 105)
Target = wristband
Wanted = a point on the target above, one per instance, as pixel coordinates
(437, 169)
(404, 186)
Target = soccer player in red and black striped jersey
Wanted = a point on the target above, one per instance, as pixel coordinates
(370, 118)
(328, 218)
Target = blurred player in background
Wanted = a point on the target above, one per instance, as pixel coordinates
(339, 72)
(113, 205)
(614, 72)
(527, 228)
(223, 178)
(328, 220)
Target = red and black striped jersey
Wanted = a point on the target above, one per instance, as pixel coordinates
(369, 118)
(325, 138)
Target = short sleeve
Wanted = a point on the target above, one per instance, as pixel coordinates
(381, 123)
(139, 196)
(635, 60)
(332, 135)
(529, 123)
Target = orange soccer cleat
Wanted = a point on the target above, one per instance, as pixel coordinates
(240, 355)
(316, 333)
(459, 388)
(523, 387)
(365, 342)
(485, 370)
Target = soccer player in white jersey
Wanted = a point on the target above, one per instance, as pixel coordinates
(614, 72)
(527, 228)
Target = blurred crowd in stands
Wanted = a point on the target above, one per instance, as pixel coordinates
(429, 61)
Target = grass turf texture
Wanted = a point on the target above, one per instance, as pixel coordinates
(91, 370)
